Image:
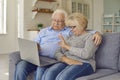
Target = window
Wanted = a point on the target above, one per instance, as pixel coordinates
(2, 16)
(20, 18)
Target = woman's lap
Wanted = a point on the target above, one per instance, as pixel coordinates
(53, 71)
(62, 71)
(72, 72)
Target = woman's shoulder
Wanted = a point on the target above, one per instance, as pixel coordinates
(88, 35)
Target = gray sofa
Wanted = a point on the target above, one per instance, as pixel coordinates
(107, 60)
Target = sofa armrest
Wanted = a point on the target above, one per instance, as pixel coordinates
(14, 58)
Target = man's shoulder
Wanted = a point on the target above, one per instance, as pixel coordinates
(45, 29)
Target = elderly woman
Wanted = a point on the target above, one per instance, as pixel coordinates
(76, 54)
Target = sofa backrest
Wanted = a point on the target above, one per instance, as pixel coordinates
(107, 55)
(119, 62)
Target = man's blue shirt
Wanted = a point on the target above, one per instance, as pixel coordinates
(48, 40)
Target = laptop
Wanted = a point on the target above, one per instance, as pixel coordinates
(29, 52)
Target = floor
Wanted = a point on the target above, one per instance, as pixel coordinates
(4, 67)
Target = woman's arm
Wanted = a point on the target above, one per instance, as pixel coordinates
(61, 57)
(70, 61)
(85, 53)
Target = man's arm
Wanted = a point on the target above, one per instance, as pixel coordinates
(97, 37)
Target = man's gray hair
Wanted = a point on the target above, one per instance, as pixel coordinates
(62, 11)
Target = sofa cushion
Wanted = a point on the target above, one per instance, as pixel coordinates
(119, 63)
(115, 76)
(107, 53)
(98, 74)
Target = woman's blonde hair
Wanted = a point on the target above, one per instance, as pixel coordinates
(79, 18)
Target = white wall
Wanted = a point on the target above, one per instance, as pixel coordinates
(112, 8)
(44, 18)
(8, 42)
(97, 14)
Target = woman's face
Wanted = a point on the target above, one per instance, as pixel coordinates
(75, 29)
(58, 21)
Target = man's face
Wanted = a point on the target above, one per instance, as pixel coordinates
(58, 21)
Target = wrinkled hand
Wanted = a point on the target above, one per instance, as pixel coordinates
(97, 38)
(63, 43)
(38, 46)
(71, 61)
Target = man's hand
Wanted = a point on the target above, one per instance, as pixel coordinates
(97, 38)
(70, 61)
(38, 46)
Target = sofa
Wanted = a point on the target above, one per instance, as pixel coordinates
(107, 60)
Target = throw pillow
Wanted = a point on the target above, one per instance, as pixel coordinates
(108, 51)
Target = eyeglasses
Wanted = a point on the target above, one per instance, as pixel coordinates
(58, 21)
(72, 27)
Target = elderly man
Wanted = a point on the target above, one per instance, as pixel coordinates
(47, 40)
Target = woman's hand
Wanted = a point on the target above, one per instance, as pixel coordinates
(63, 43)
(70, 61)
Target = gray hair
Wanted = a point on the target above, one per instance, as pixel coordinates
(62, 11)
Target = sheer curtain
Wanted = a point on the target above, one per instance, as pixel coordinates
(20, 18)
(3, 16)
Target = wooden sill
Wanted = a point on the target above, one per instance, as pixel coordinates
(33, 29)
(42, 11)
(48, 0)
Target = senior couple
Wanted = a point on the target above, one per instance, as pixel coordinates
(68, 41)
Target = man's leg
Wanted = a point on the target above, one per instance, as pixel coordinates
(39, 73)
(23, 68)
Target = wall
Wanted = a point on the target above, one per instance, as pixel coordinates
(102, 7)
(44, 18)
(8, 42)
(96, 7)
(112, 7)
(97, 14)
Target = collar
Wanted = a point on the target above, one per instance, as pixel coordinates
(50, 28)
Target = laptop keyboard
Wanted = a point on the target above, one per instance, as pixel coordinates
(46, 60)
